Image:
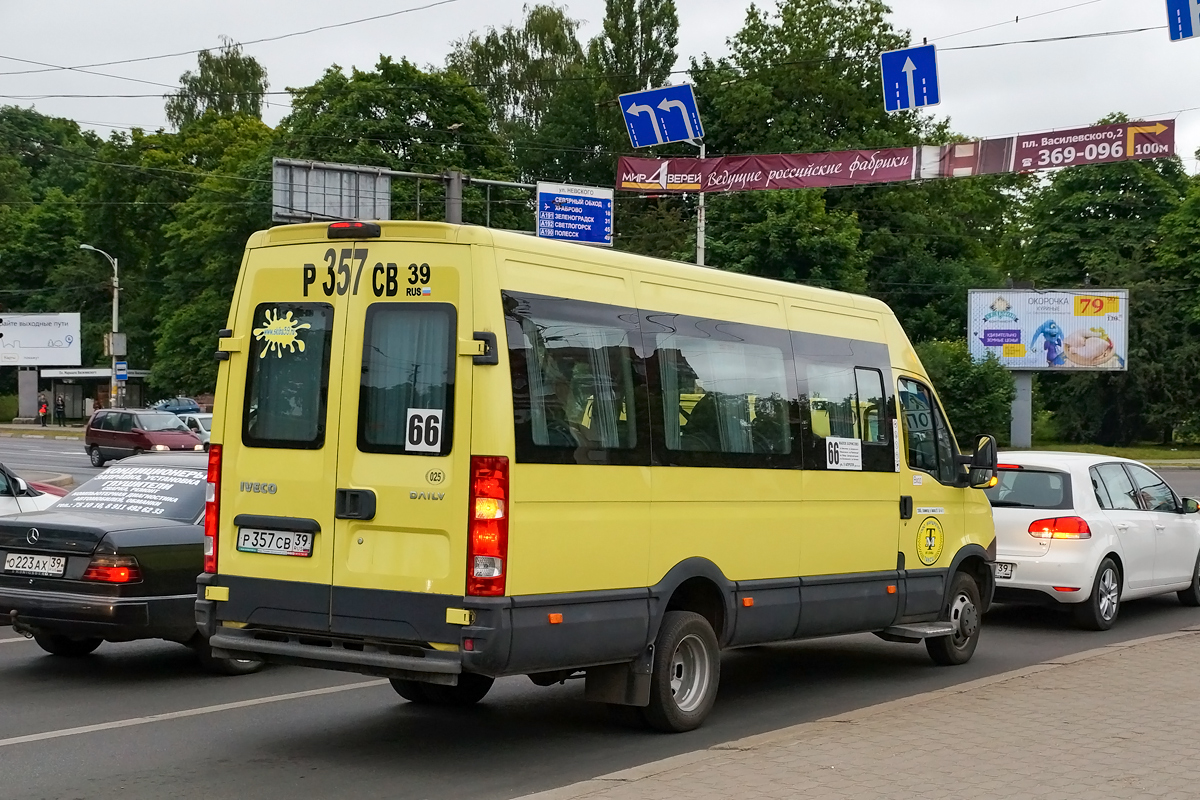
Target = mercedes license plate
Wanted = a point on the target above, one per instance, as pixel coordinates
(26, 564)
(276, 543)
(1005, 570)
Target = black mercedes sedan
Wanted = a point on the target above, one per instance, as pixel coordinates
(115, 560)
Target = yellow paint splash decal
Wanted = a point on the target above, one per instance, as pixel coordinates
(280, 333)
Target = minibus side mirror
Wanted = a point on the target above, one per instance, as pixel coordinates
(982, 463)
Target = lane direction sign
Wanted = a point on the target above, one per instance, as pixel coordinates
(575, 213)
(661, 116)
(910, 78)
(1183, 19)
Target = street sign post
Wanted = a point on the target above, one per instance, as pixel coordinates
(1183, 19)
(910, 78)
(661, 116)
(575, 213)
(122, 371)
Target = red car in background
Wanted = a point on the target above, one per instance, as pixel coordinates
(119, 433)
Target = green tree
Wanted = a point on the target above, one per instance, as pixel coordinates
(225, 83)
(518, 68)
(976, 395)
(1122, 225)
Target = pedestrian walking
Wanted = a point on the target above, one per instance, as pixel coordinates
(43, 409)
(60, 411)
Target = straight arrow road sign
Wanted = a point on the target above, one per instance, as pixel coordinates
(1183, 19)
(910, 78)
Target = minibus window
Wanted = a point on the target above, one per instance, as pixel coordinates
(927, 437)
(870, 407)
(287, 384)
(407, 397)
(723, 397)
(580, 385)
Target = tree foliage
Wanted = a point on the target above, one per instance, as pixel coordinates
(976, 395)
(224, 83)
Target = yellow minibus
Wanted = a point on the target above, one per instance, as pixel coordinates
(443, 454)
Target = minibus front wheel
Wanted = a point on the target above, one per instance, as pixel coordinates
(686, 671)
(964, 615)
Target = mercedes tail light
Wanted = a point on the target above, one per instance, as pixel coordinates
(113, 569)
(212, 508)
(487, 536)
(1060, 528)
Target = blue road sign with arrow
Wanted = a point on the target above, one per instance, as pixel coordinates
(1183, 19)
(910, 78)
(661, 116)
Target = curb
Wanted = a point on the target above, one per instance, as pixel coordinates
(627, 776)
(59, 479)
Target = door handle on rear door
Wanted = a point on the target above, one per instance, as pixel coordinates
(354, 504)
(1159, 527)
(1121, 526)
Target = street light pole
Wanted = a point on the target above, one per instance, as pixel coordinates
(116, 282)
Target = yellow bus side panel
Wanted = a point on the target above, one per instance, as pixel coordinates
(746, 522)
(849, 522)
(575, 529)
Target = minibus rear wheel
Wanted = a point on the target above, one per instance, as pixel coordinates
(471, 689)
(958, 647)
(685, 674)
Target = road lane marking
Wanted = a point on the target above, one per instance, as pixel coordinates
(190, 712)
(17, 639)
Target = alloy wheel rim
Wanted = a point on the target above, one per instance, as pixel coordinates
(1109, 594)
(690, 673)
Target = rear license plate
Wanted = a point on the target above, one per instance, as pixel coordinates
(276, 543)
(25, 564)
(1005, 570)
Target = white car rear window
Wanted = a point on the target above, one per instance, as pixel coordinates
(1027, 488)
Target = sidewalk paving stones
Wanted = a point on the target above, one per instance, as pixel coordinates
(1121, 721)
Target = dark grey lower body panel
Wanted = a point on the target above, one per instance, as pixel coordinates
(89, 615)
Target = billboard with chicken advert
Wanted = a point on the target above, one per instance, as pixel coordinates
(1055, 330)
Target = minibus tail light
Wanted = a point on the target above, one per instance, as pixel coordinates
(487, 535)
(1060, 528)
(212, 508)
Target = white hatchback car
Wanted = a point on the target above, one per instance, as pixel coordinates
(198, 423)
(19, 497)
(1089, 531)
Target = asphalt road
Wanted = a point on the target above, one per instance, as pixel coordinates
(47, 455)
(168, 730)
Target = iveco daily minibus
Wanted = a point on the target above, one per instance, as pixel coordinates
(443, 454)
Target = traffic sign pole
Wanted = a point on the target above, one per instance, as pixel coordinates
(700, 217)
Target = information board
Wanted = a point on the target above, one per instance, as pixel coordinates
(30, 340)
(1056, 330)
(575, 213)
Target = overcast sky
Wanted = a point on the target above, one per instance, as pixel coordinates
(986, 92)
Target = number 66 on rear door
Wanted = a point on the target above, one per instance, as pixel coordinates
(555, 461)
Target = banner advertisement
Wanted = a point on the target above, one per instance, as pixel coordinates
(1052, 330)
(28, 340)
(1099, 144)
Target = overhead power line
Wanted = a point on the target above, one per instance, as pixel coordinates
(243, 43)
(562, 79)
(1015, 20)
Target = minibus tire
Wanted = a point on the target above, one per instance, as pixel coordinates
(685, 651)
(952, 650)
(222, 666)
(470, 690)
(412, 691)
(65, 646)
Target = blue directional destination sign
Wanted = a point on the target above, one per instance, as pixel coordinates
(910, 78)
(575, 213)
(661, 116)
(1183, 19)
